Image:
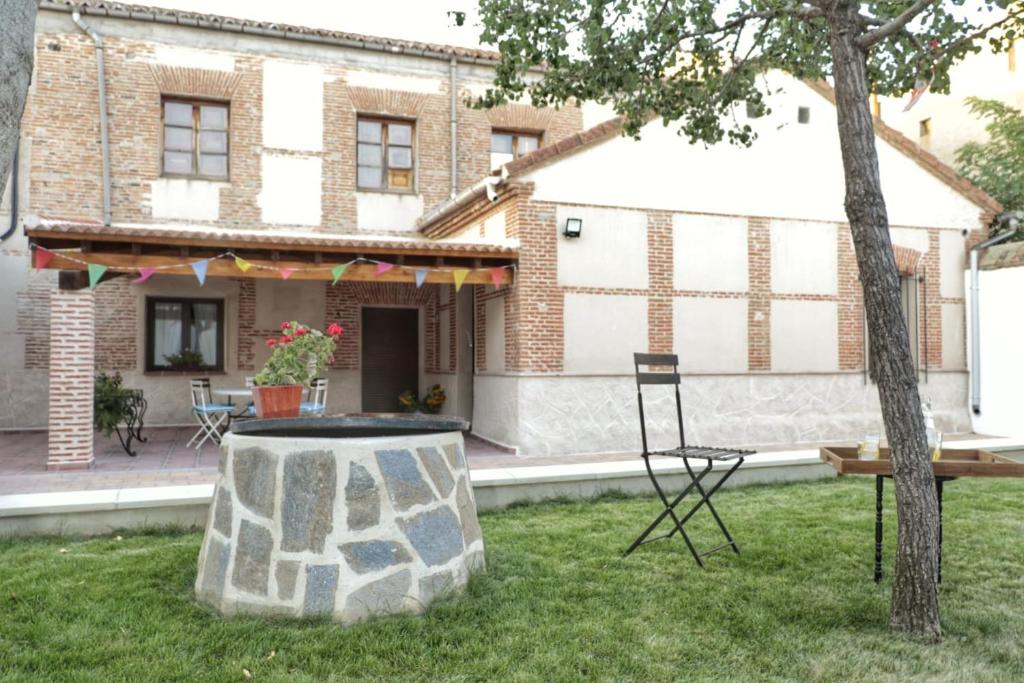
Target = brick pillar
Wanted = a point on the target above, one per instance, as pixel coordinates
(72, 363)
(759, 265)
(659, 269)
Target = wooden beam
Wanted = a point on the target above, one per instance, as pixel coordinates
(172, 265)
(69, 279)
(251, 244)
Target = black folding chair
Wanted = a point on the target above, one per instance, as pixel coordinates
(710, 455)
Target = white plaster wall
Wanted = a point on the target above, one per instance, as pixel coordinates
(1001, 363)
(290, 192)
(563, 415)
(494, 227)
(710, 335)
(388, 211)
(602, 332)
(804, 257)
(385, 81)
(910, 238)
(293, 105)
(494, 347)
(804, 336)
(663, 171)
(280, 300)
(709, 253)
(951, 264)
(953, 344)
(185, 199)
(178, 55)
(611, 251)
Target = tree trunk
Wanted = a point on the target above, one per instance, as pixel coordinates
(915, 596)
(17, 48)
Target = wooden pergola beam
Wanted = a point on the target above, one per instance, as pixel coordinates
(267, 269)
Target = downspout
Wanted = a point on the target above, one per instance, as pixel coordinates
(14, 197)
(1014, 221)
(453, 67)
(102, 89)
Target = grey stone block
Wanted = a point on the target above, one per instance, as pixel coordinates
(321, 582)
(435, 535)
(405, 484)
(286, 573)
(384, 596)
(222, 511)
(467, 512)
(437, 469)
(255, 479)
(435, 586)
(215, 569)
(456, 458)
(307, 502)
(362, 498)
(475, 561)
(368, 556)
(252, 558)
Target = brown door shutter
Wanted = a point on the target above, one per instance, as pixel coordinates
(390, 357)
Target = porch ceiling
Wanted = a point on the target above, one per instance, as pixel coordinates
(307, 255)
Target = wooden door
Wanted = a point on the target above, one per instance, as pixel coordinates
(390, 357)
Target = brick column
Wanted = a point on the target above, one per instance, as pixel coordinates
(659, 268)
(759, 266)
(72, 363)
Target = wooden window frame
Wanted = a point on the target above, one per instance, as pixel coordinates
(385, 122)
(186, 327)
(196, 104)
(516, 133)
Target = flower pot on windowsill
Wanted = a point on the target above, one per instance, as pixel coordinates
(277, 400)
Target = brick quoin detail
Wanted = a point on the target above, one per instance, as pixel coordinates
(116, 326)
(72, 363)
(930, 329)
(536, 302)
(660, 266)
(759, 311)
(247, 333)
(851, 303)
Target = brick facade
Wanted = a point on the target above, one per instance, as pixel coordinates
(72, 365)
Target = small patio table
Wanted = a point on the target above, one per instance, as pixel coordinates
(953, 464)
(231, 394)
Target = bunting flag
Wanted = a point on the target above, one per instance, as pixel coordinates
(421, 277)
(95, 273)
(337, 271)
(496, 275)
(286, 272)
(242, 264)
(43, 257)
(199, 268)
(383, 268)
(144, 274)
(459, 275)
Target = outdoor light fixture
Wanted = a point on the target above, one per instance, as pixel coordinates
(573, 227)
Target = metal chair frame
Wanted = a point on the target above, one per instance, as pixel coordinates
(710, 455)
(212, 417)
(317, 396)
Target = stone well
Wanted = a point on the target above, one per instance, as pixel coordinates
(344, 517)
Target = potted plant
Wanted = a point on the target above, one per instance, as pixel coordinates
(434, 400)
(186, 359)
(408, 401)
(110, 403)
(298, 355)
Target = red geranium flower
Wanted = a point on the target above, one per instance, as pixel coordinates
(334, 329)
(301, 331)
(271, 342)
(287, 338)
(285, 325)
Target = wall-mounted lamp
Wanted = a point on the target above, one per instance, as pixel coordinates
(573, 227)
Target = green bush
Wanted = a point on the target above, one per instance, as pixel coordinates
(110, 402)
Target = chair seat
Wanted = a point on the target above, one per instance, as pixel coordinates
(705, 453)
(214, 408)
(310, 407)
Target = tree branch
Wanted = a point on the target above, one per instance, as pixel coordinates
(885, 30)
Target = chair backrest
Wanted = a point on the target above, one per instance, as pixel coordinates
(651, 376)
(318, 391)
(250, 382)
(200, 391)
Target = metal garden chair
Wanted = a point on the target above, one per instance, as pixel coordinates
(317, 402)
(212, 417)
(710, 455)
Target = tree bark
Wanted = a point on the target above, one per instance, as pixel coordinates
(17, 49)
(915, 596)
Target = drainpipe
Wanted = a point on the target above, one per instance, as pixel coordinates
(1013, 220)
(102, 81)
(453, 67)
(14, 196)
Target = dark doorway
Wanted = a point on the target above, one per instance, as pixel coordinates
(390, 357)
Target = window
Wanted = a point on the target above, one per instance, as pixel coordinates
(924, 129)
(195, 139)
(754, 111)
(384, 154)
(803, 114)
(509, 145)
(909, 297)
(184, 334)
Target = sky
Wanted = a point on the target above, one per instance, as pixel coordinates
(423, 20)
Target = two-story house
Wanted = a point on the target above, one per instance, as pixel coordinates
(226, 175)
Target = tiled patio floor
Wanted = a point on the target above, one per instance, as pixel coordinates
(165, 460)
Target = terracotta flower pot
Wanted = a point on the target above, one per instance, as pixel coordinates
(277, 401)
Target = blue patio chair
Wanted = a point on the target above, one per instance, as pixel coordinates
(212, 417)
(317, 402)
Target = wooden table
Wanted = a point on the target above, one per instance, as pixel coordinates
(954, 463)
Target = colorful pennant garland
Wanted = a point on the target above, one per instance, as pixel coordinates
(95, 273)
(459, 275)
(496, 275)
(242, 264)
(337, 271)
(199, 268)
(286, 272)
(421, 277)
(43, 257)
(383, 267)
(144, 274)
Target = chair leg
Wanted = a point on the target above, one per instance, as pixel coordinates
(706, 500)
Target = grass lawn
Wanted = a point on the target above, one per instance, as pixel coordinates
(557, 602)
